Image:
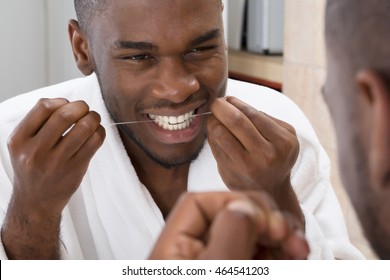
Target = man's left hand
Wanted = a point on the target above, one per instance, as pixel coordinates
(254, 151)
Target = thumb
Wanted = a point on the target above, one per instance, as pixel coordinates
(233, 234)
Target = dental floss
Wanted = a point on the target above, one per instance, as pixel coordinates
(146, 121)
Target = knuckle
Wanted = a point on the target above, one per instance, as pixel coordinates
(28, 161)
(12, 142)
(96, 116)
(251, 113)
(291, 129)
(237, 118)
(82, 104)
(64, 115)
(48, 105)
(217, 131)
(101, 135)
(45, 105)
(270, 157)
(188, 197)
(85, 127)
(287, 143)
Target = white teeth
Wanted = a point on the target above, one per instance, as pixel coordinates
(173, 122)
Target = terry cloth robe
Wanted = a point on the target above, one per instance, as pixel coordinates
(113, 216)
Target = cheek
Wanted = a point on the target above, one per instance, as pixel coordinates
(353, 164)
(214, 76)
(120, 94)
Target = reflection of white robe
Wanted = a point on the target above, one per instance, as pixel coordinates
(113, 216)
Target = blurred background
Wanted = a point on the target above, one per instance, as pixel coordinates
(277, 43)
(34, 48)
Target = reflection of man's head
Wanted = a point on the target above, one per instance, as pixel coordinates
(357, 91)
(358, 34)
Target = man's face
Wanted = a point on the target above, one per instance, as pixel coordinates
(161, 60)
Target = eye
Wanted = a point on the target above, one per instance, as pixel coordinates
(201, 53)
(202, 49)
(138, 57)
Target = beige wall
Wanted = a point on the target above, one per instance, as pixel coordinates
(304, 74)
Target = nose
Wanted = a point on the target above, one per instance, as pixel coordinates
(175, 81)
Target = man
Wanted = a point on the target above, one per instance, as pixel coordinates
(158, 62)
(357, 91)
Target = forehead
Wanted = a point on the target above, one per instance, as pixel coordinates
(155, 20)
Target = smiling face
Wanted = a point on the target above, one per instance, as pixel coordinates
(161, 60)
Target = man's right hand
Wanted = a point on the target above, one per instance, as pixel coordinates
(230, 225)
(50, 152)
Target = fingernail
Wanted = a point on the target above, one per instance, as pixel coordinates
(247, 208)
(241, 206)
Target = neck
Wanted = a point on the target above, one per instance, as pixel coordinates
(164, 184)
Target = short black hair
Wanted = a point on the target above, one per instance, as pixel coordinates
(358, 32)
(88, 11)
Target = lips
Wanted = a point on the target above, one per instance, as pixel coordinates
(173, 122)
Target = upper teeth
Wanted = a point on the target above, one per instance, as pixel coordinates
(173, 122)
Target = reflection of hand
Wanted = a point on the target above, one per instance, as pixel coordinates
(230, 225)
(48, 166)
(254, 151)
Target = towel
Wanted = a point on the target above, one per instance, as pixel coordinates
(113, 216)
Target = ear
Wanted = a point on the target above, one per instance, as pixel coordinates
(81, 50)
(376, 102)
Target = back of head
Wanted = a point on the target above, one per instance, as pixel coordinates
(358, 33)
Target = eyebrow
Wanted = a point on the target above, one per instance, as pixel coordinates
(135, 45)
(151, 47)
(215, 33)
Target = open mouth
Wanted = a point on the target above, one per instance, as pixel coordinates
(173, 122)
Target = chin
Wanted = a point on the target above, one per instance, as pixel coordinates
(172, 161)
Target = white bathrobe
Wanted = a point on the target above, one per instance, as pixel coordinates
(113, 216)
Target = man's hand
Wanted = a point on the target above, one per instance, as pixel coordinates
(50, 152)
(254, 151)
(230, 225)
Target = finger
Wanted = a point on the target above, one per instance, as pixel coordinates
(37, 117)
(294, 243)
(79, 134)
(283, 239)
(188, 223)
(60, 121)
(268, 125)
(181, 247)
(296, 246)
(238, 124)
(274, 226)
(193, 214)
(221, 141)
(233, 235)
(194, 211)
(90, 147)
